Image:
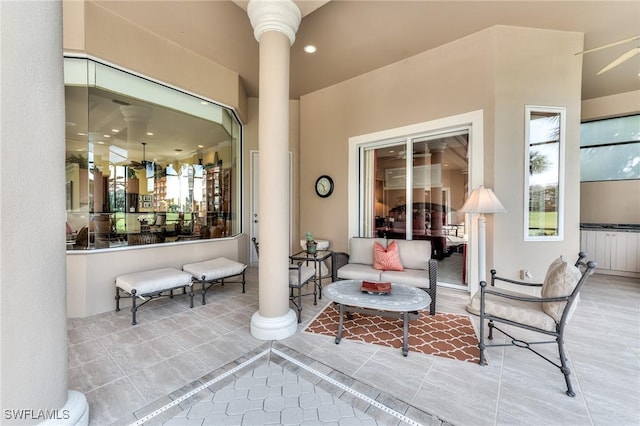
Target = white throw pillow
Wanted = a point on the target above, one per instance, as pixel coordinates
(561, 279)
(361, 249)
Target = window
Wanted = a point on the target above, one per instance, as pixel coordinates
(412, 189)
(610, 149)
(544, 172)
(146, 163)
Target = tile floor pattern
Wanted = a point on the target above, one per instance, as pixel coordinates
(125, 371)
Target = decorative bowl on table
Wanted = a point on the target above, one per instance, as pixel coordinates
(373, 287)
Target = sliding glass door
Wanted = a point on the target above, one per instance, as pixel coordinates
(412, 189)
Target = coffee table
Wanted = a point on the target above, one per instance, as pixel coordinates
(402, 302)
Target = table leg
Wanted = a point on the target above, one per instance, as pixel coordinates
(339, 335)
(405, 333)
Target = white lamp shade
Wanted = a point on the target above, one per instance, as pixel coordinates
(482, 200)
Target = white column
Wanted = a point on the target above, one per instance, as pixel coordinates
(32, 219)
(275, 24)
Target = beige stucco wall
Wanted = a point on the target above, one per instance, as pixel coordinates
(499, 71)
(611, 106)
(610, 202)
(89, 28)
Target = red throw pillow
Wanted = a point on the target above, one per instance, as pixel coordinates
(387, 260)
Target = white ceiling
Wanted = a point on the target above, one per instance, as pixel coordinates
(354, 37)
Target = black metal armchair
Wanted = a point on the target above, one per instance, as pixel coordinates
(547, 314)
(299, 276)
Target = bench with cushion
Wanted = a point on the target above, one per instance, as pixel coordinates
(215, 271)
(148, 285)
(395, 261)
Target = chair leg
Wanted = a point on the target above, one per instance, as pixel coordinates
(481, 345)
(299, 304)
(564, 367)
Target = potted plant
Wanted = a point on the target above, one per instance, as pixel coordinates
(311, 243)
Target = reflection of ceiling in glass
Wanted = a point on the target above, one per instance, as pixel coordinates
(455, 155)
(95, 115)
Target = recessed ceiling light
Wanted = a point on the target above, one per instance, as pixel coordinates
(200, 146)
(149, 133)
(100, 143)
(107, 136)
(81, 134)
(115, 130)
(310, 48)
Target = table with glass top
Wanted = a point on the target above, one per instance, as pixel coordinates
(402, 302)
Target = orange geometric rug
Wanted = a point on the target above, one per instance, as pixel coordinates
(445, 335)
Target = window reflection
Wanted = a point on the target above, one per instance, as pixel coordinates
(158, 167)
(545, 126)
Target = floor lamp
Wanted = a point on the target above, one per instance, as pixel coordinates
(482, 200)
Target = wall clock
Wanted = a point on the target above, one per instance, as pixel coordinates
(324, 186)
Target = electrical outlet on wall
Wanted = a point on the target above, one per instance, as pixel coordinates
(525, 275)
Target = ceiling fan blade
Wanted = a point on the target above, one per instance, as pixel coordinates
(630, 54)
(615, 43)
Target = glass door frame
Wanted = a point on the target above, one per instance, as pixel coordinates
(472, 121)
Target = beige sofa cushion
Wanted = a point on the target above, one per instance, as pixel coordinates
(361, 249)
(358, 271)
(530, 313)
(414, 254)
(413, 277)
(560, 280)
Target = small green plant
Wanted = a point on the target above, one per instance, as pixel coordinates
(311, 243)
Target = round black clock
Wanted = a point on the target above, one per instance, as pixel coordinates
(324, 186)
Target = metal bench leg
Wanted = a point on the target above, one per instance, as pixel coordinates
(243, 282)
(117, 299)
(134, 307)
(204, 291)
(190, 295)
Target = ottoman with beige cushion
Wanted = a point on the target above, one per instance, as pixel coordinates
(147, 285)
(215, 271)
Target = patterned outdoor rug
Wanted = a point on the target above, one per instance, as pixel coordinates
(445, 335)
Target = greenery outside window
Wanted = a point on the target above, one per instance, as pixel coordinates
(544, 173)
(146, 163)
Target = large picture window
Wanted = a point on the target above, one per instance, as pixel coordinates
(544, 172)
(146, 163)
(610, 149)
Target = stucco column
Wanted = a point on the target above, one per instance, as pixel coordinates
(33, 285)
(275, 24)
